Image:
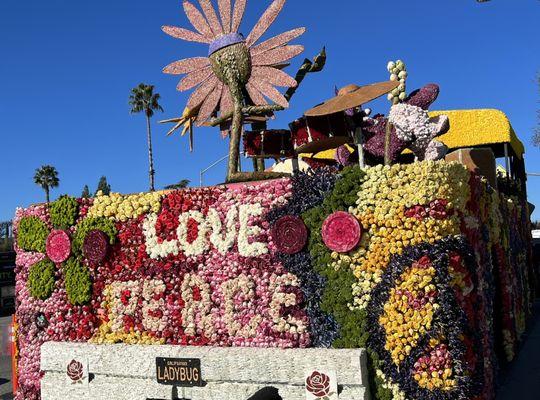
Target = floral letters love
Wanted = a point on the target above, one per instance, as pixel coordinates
(211, 223)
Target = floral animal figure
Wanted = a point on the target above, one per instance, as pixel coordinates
(414, 125)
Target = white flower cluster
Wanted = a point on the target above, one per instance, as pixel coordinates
(150, 305)
(435, 151)
(124, 298)
(196, 315)
(243, 287)
(279, 299)
(398, 72)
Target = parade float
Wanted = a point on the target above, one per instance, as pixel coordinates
(380, 258)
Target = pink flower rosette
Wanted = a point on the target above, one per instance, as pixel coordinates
(58, 246)
(341, 232)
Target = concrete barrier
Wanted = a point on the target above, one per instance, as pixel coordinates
(123, 372)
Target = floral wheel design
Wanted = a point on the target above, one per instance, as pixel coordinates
(58, 246)
(341, 232)
(95, 246)
(290, 234)
(62, 248)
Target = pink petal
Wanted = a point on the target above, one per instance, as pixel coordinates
(197, 20)
(274, 76)
(238, 14)
(277, 41)
(200, 94)
(226, 104)
(184, 34)
(225, 13)
(209, 105)
(211, 16)
(266, 20)
(256, 96)
(277, 55)
(269, 91)
(194, 78)
(186, 66)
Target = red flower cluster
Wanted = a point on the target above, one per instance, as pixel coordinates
(437, 209)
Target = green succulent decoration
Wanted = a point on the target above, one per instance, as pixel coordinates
(338, 294)
(64, 212)
(32, 234)
(63, 248)
(41, 279)
(77, 281)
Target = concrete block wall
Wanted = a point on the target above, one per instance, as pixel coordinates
(122, 372)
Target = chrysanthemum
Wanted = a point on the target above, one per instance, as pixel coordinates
(221, 77)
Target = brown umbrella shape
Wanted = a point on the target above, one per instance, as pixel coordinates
(352, 96)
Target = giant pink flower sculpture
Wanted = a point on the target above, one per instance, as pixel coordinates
(235, 65)
(222, 32)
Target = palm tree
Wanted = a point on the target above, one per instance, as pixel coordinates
(46, 176)
(143, 98)
(184, 183)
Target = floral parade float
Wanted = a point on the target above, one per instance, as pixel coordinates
(423, 262)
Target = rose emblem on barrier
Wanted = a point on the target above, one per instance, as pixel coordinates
(75, 371)
(318, 384)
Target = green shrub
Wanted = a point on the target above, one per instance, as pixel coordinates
(64, 212)
(89, 224)
(41, 279)
(32, 234)
(77, 281)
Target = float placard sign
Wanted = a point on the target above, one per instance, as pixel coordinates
(184, 372)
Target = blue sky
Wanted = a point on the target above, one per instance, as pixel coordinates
(67, 68)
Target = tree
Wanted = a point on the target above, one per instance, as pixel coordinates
(143, 99)
(85, 192)
(46, 176)
(103, 187)
(184, 183)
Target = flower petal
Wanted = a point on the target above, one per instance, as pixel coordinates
(200, 94)
(270, 91)
(225, 14)
(211, 16)
(197, 20)
(187, 65)
(255, 94)
(194, 78)
(184, 34)
(265, 21)
(238, 14)
(277, 55)
(274, 76)
(277, 41)
(209, 105)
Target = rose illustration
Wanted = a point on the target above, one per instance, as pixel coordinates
(318, 384)
(75, 371)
